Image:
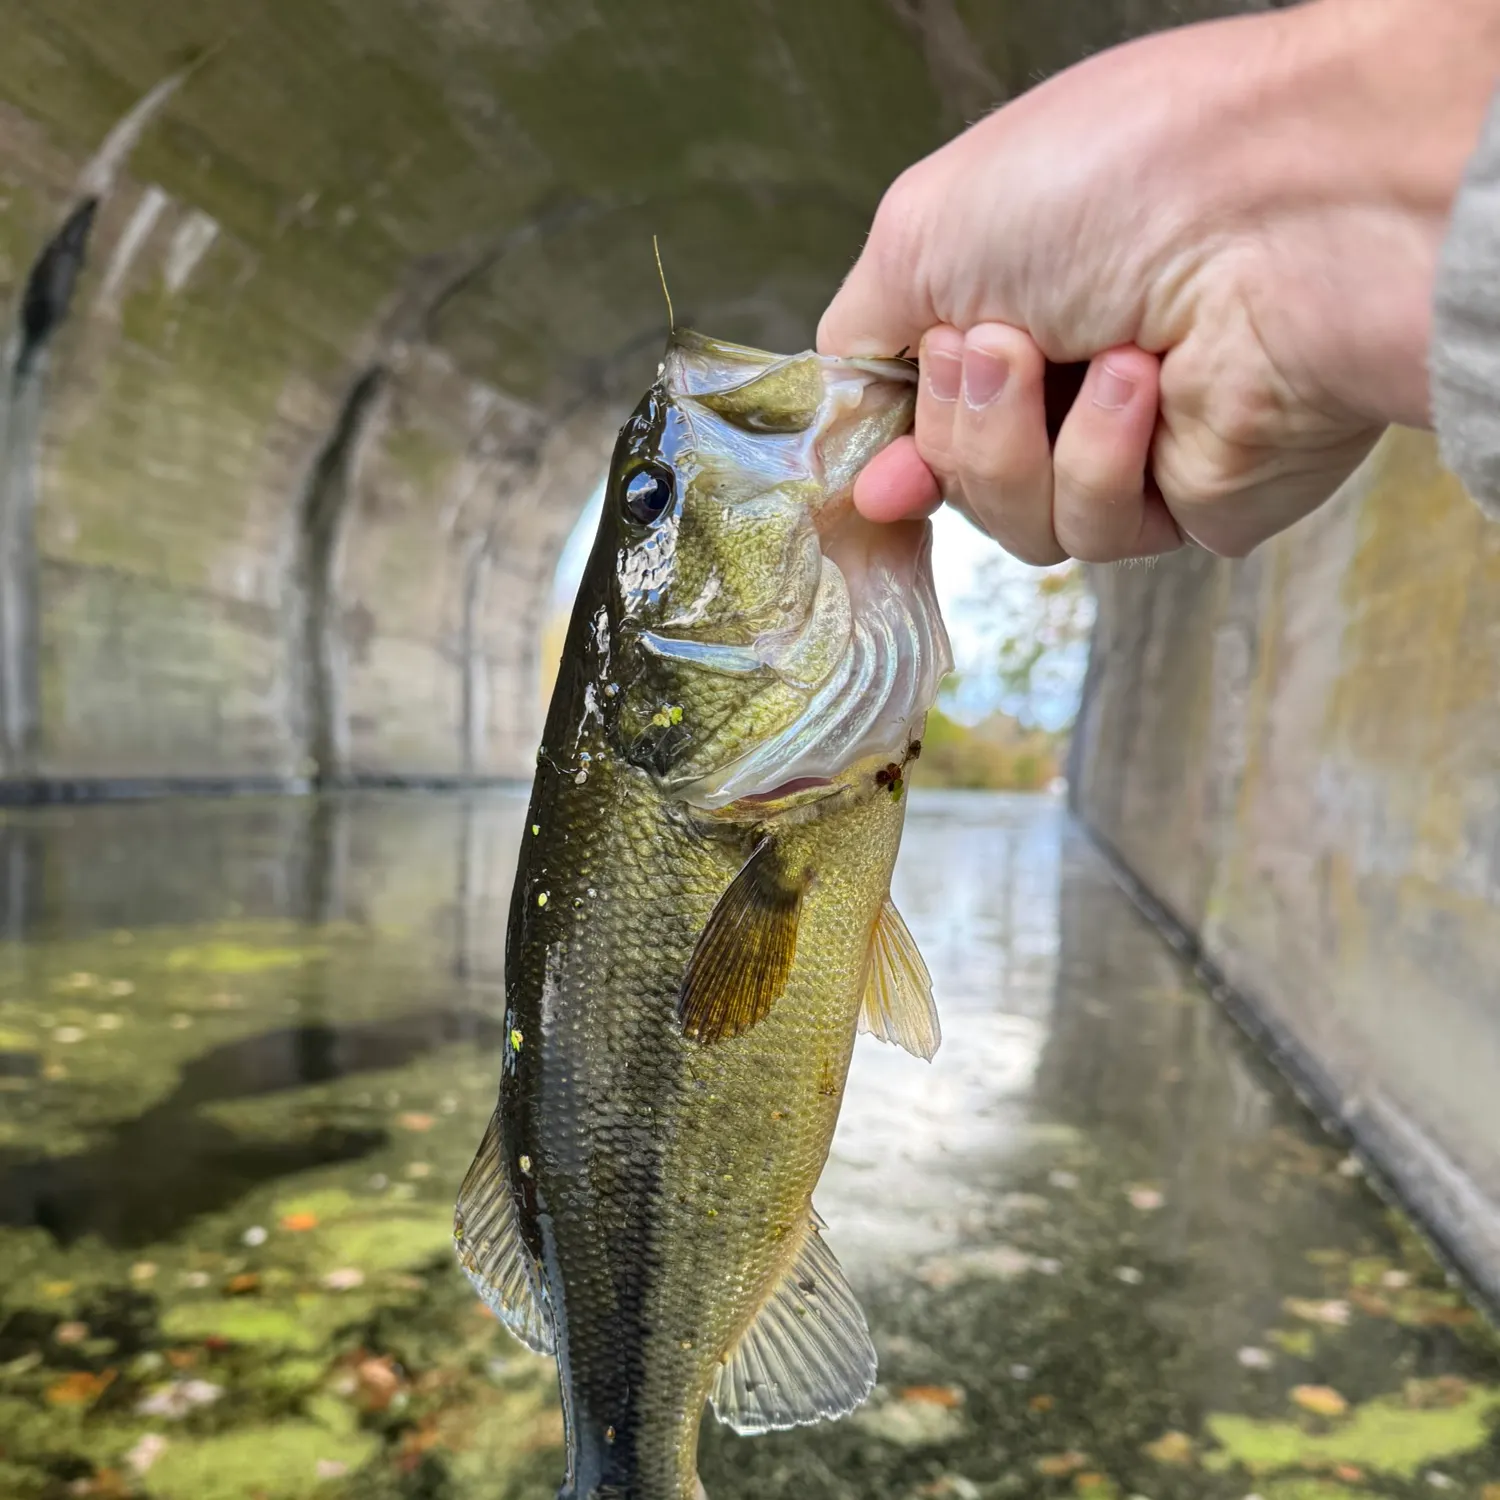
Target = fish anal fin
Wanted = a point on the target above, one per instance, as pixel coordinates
(898, 1005)
(744, 954)
(487, 1237)
(806, 1358)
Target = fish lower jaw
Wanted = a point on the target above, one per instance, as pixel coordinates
(880, 771)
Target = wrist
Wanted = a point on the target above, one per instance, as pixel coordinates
(1409, 82)
(1381, 105)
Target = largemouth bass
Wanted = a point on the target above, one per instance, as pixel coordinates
(701, 920)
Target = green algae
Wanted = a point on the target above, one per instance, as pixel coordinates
(1386, 1435)
(241, 958)
(282, 1462)
(1313, 1489)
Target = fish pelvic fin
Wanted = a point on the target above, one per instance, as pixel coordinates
(487, 1237)
(744, 955)
(806, 1358)
(898, 1005)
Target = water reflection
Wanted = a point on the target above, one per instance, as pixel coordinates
(246, 1049)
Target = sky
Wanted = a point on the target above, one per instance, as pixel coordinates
(984, 594)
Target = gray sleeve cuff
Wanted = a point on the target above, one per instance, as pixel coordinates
(1465, 357)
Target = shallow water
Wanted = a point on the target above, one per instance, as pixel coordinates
(247, 1048)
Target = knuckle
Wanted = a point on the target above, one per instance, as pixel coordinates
(895, 231)
(1084, 487)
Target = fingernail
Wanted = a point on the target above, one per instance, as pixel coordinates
(944, 371)
(1113, 390)
(985, 375)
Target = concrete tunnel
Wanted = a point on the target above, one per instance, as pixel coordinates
(321, 318)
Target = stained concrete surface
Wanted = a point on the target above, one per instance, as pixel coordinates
(1297, 755)
(360, 304)
(247, 1047)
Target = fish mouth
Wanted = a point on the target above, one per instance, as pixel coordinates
(790, 788)
(866, 649)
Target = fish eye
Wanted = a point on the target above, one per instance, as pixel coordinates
(648, 493)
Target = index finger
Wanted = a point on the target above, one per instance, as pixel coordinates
(881, 309)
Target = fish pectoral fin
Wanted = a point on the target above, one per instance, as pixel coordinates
(806, 1358)
(487, 1237)
(898, 1005)
(740, 966)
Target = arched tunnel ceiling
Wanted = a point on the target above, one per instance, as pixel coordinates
(358, 313)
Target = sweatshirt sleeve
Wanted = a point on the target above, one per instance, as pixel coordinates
(1465, 354)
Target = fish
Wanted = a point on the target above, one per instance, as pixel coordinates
(701, 920)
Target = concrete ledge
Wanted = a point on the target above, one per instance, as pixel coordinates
(42, 793)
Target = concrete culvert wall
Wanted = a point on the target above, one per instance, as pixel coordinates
(322, 317)
(1296, 755)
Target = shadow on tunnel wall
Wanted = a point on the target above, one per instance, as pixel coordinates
(322, 320)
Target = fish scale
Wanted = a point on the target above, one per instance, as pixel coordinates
(685, 979)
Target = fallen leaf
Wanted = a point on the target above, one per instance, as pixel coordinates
(1444, 1390)
(81, 1388)
(415, 1121)
(934, 1395)
(1040, 1403)
(299, 1223)
(246, 1281)
(378, 1381)
(949, 1487)
(1333, 1313)
(146, 1452)
(1321, 1400)
(71, 1332)
(1170, 1448)
(1372, 1304)
(1348, 1473)
(1060, 1465)
(179, 1398)
(1096, 1486)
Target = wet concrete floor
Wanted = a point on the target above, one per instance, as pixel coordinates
(246, 1051)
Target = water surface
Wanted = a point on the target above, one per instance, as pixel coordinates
(246, 1051)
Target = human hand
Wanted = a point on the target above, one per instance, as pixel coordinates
(1236, 224)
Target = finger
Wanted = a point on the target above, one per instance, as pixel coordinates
(896, 485)
(1103, 508)
(999, 446)
(881, 307)
(942, 371)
